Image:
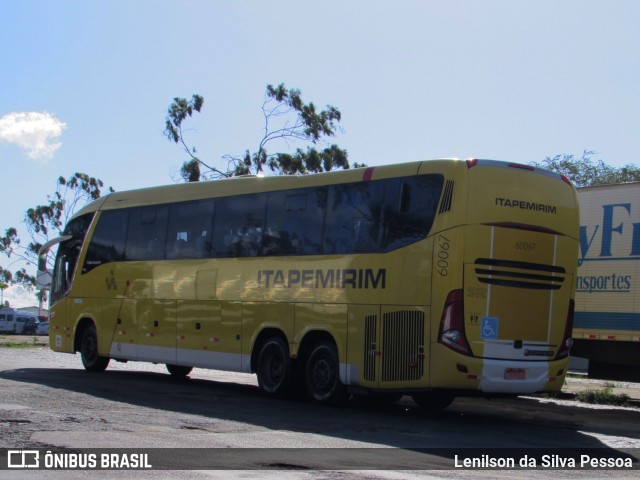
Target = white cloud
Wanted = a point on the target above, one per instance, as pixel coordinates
(19, 297)
(35, 132)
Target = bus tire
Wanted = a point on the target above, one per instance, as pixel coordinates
(322, 375)
(178, 371)
(433, 401)
(274, 369)
(91, 360)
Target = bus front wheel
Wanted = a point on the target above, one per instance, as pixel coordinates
(91, 360)
(322, 375)
(274, 367)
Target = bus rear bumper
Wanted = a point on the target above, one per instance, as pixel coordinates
(500, 376)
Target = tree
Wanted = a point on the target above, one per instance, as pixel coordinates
(585, 171)
(42, 223)
(286, 119)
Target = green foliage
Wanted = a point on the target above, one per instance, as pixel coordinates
(287, 118)
(17, 345)
(585, 171)
(311, 161)
(23, 341)
(603, 396)
(179, 110)
(190, 170)
(44, 221)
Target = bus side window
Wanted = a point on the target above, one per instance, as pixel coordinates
(294, 222)
(238, 225)
(410, 209)
(353, 218)
(189, 232)
(108, 240)
(147, 233)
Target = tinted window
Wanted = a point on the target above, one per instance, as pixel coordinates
(239, 224)
(294, 223)
(147, 233)
(354, 214)
(410, 208)
(108, 240)
(67, 255)
(189, 233)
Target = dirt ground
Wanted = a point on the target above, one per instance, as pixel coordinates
(48, 401)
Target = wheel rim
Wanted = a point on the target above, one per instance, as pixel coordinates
(323, 375)
(274, 369)
(89, 349)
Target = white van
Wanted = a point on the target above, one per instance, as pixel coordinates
(17, 321)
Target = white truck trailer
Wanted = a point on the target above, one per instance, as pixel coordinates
(607, 317)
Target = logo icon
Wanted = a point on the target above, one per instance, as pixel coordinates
(489, 330)
(23, 459)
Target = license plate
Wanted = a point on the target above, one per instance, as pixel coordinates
(515, 374)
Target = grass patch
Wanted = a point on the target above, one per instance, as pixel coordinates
(20, 341)
(603, 396)
(18, 345)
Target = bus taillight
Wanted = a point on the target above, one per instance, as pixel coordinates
(567, 341)
(565, 179)
(452, 324)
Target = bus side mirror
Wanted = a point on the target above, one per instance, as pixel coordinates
(45, 276)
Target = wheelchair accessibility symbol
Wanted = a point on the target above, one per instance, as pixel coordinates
(489, 328)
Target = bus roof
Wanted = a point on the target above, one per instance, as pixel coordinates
(245, 184)
(182, 192)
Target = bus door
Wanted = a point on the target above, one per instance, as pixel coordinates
(125, 333)
(392, 342)
(120, 312)
(59, 335)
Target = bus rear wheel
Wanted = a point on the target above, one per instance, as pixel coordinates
(274, 368)
(178, 371)
(322, 375)
(433, 401)
(91, 360)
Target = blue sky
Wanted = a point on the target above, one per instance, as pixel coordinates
(85, 85)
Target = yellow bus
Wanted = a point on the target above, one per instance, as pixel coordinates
(430, 279)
